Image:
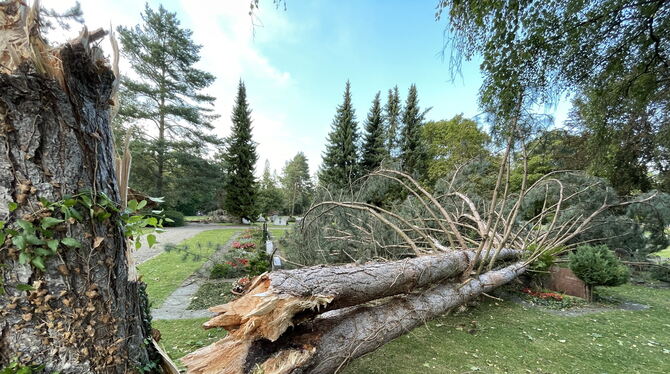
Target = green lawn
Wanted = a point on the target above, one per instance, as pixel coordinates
(180, 337)
(277, 233)
(508, 338)
(664, 253)
(195, 218)
(165, 272)
(512, 339)
(212, 293)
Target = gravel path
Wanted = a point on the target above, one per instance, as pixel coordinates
(175, 235)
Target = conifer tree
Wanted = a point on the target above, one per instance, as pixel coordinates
(392, 117)
(340, 161)
(167, 90)
(297, 184)
(240, 157)
(413, 151)
(270, 198)
(374, 151)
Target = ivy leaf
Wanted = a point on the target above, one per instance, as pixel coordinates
(75, 213)
(19, 242)
(151, 240)
(53, 245)
(42, 252)
(71, 242)
(12, 206)
(34, 240)
(87, 201)
(38, 262)
(132, 205)
(24, 287)
(25, 225)
(23, 258)
(50, 221)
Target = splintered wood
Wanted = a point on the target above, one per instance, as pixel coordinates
(315, 320)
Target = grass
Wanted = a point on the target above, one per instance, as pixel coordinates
(277, 233)
(183, 336)
(511, 338)
(210, 294)
(165, 272)
(195, 218)
(507, 338)
(664, 253)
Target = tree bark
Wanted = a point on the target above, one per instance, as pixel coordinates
(273, 300)
(329, 342)
(84, 314)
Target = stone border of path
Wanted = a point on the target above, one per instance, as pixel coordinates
(174, 307)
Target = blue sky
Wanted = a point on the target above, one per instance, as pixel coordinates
(295, 62)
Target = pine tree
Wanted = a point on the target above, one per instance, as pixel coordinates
(392, 114)
(167, 91)
(340, 162)
(240, 157)
(373, 146)
(413, 151)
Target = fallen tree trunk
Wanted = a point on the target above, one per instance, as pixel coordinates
(273, 300)
(329, 341)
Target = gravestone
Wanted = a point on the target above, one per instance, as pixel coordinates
(565, 281)
(280, 220)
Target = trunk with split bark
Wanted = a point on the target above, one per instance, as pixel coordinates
(84, 314)
(316, 320)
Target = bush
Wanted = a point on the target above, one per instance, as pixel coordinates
(228, 270)
(598, 266)
(175, 216)
(239, 263)
(661, 273)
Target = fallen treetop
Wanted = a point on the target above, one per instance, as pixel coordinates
(268, 307)
(328, 342)
(316, 319)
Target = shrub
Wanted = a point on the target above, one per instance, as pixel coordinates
(661, 273)
(175, 216)
(230, 269)
(598, 266)
(259, 263)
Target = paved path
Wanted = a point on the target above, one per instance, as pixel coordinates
(175, 235)
(174, 307)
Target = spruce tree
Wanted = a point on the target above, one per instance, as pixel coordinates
(340, 161)
(413, 151)
(240, 159)
(166, 92)
(374, 151)
(392, 117)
